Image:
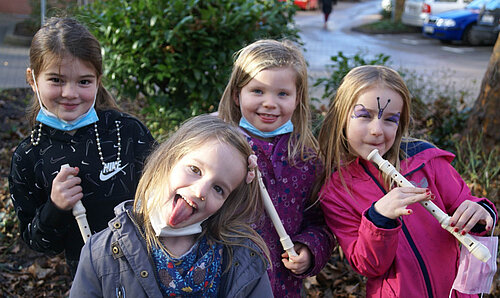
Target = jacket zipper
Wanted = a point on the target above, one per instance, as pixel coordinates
(408, 237)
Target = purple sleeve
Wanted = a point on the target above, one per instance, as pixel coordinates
(317, 237)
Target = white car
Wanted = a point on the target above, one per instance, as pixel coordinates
(417, 11)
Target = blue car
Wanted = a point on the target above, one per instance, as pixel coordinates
(488, 24)
(455, 24)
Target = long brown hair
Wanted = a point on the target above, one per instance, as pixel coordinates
(58, 38)
(266, 54)
(230, 224)
(332, 136)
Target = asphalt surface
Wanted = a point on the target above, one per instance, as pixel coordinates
(13, 58)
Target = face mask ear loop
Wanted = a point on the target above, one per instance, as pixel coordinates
(36, 90)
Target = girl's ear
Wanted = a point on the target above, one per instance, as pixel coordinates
(29, 78)
(236, 98)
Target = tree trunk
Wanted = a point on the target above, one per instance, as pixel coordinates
(485, 114)
(399, 7)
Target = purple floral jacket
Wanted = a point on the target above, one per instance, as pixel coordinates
(289, 188)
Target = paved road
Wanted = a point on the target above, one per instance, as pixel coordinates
(13, 59)
(456, 64)
(464, 65)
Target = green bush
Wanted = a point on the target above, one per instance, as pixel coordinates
(340, 66)
(178, 54)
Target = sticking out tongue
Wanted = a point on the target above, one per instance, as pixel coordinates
(181, 212)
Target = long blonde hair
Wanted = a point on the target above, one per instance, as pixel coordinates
(230, 224)
(59, 38)
(265, 54)
(332, 136)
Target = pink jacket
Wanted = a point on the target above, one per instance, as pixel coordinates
(418, 258)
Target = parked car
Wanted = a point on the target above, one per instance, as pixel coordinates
(488, 23)
(305, 4)
(455, 24)
(416, 11)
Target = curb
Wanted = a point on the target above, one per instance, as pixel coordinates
(16, 40)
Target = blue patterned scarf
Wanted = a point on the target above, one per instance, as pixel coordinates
(197, 273)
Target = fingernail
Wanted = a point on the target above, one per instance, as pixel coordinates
(456, 230)
(409, 211)
(488, 228)
(452, 224)
(463, 233)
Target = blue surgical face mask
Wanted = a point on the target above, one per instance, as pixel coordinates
(283, 129)
(50, 119)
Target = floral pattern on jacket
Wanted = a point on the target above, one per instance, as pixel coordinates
(289, 187)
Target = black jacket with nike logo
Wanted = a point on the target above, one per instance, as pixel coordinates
(43, 226)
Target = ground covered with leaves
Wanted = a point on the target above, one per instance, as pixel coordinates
(25, 273)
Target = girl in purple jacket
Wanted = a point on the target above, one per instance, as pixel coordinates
(397, 244)
(267, 97)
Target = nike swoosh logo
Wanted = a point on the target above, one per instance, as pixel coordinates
(105, 177)
(55, 160)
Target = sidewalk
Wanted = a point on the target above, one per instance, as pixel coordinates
(13, 58)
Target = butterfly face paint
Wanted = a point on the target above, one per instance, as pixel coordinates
(374, 121)
(381, 110)
(360, 111)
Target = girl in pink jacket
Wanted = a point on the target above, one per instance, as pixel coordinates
(397, 244)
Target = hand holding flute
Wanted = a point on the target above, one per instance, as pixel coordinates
(475, 247)
(69, 191)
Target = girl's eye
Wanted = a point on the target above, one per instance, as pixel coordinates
(85, 82)
(257, 91)
(195, 170)
(282, 94)
(394, 118)
(360, 112)
(55, 80)
(219, 189)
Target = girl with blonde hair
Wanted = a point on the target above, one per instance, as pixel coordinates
(267, 96)
(397, 244)
(187, 232)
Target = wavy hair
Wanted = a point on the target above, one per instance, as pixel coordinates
(332, 137)
(265, 54)
(230, 224)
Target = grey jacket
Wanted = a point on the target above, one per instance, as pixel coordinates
(115, 263)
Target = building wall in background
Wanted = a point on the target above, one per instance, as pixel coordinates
(15, 7)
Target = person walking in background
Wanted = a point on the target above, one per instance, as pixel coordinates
(267, 97)
(397, 244)
(326, 8)
(187, 233)
(76, 122)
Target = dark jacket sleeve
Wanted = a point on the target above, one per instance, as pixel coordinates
(40, 221)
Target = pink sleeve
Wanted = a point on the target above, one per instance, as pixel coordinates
(370, 250)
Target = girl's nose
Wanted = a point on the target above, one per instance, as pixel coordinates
(69, 91)
(376, 127)
(200, 189)
(269, 102)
